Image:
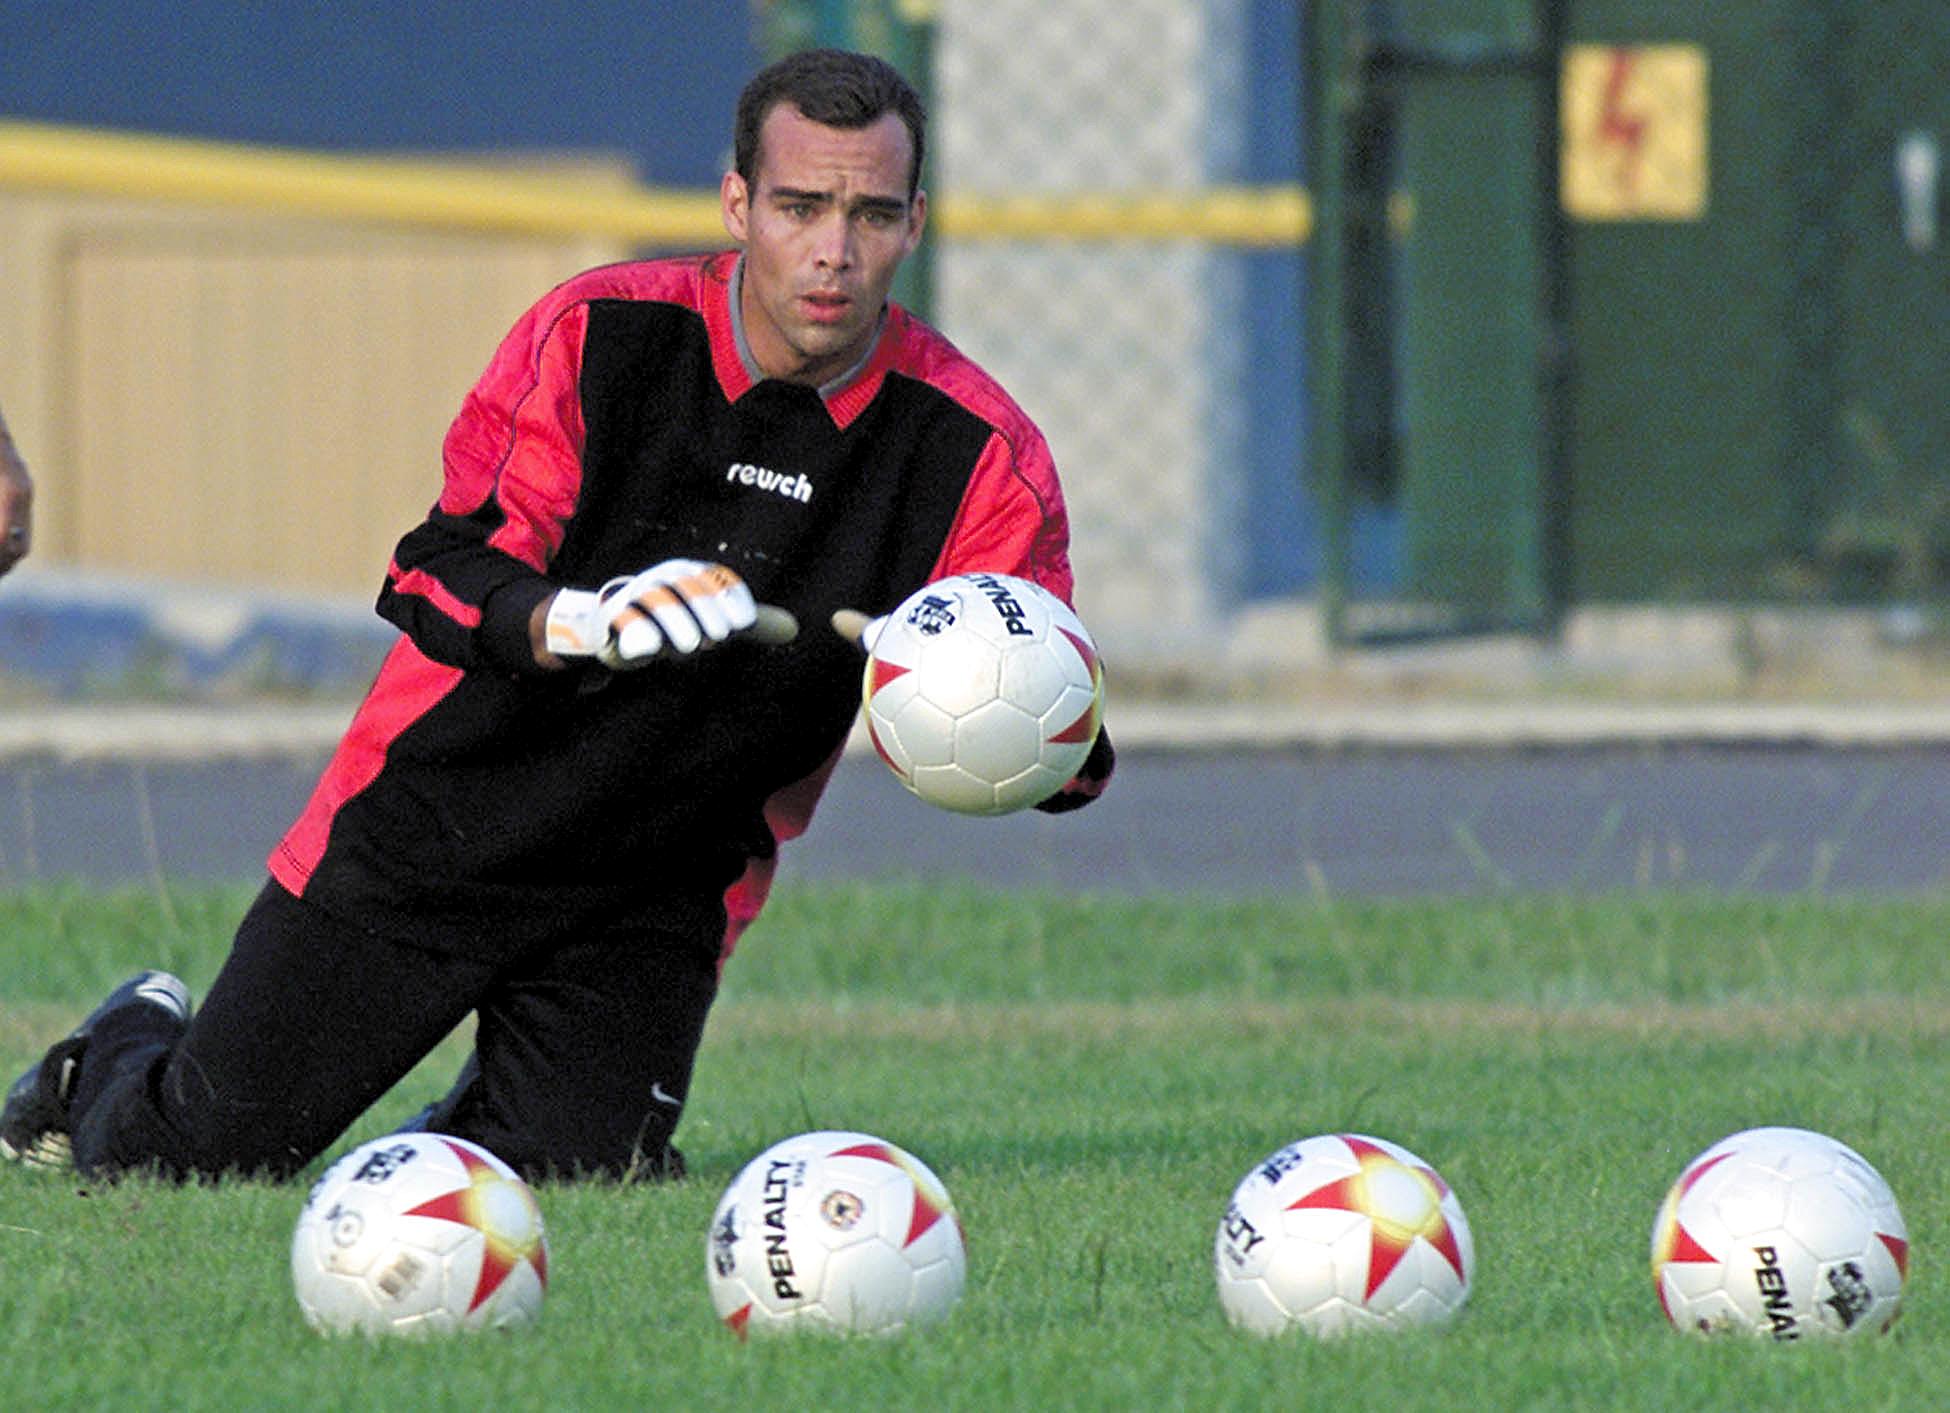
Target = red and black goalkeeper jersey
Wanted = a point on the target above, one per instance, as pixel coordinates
(478, 801)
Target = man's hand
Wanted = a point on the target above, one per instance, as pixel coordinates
(16, 504)
(675, 608)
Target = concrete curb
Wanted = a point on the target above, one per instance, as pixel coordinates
(106, 732)
(110, 732)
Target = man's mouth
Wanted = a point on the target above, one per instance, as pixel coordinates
(825, 306)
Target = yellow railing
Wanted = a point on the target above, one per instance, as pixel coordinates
(1261, 216)
(394, 190)
(478, 196)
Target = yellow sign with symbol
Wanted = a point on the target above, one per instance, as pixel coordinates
(1634, 132)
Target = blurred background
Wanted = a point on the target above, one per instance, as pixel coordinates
(1475, 345)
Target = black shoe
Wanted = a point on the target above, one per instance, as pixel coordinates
(34, 1120)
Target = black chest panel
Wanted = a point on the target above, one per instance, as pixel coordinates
(815, 516)
(592, 785)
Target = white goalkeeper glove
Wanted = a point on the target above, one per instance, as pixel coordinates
(681, 605)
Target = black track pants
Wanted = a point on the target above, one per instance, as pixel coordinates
(585, 1044)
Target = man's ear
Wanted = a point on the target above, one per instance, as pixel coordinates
(917, 219)
(734, 205)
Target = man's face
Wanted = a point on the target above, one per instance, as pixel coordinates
(824, 226)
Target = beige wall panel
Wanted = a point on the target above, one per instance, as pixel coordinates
(30, 235)
(267, 408)
(235, 397)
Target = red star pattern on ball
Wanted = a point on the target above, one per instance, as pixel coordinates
(1898, 1252)
(473, 1206)
(1392, 1233)
(1084, 651)
(1084, 728)
(1675, 1244)
(930, 1202)
(880, 674)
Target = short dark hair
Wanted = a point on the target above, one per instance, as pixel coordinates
(835, 87)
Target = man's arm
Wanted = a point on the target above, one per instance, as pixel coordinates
(16, 503)
(464, 584)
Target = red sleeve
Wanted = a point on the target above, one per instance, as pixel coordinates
(1012, 519)
(463, 583)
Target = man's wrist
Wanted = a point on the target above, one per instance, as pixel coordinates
(571, 626)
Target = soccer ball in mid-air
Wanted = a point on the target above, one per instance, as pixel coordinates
(834, 1231)
(1783, 1233)
(1340, 1233)
(983, 693)
(419, 1234)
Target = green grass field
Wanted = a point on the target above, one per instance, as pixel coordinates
(1090, 1077)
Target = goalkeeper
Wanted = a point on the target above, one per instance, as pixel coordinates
(562, 798)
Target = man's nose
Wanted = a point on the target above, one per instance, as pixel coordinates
(834, 246)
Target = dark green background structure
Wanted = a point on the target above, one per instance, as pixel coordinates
(1745, 407)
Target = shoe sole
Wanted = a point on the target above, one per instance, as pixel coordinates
(51, 1150)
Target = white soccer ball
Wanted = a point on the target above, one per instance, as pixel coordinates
(983, 693)
(1341, 1233)
(419, 1234)
(1783, 1233)
(838, 1232)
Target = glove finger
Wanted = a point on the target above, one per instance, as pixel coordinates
(740, 608)
(773, 626)
(674, 616)
(635, 643)
(670, 571)
(721, 600)
(629, 588)
(708, 608)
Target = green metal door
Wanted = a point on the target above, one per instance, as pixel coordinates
(1438, 314)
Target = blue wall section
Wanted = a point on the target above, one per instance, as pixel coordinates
(1281, 533)
(653, 82)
